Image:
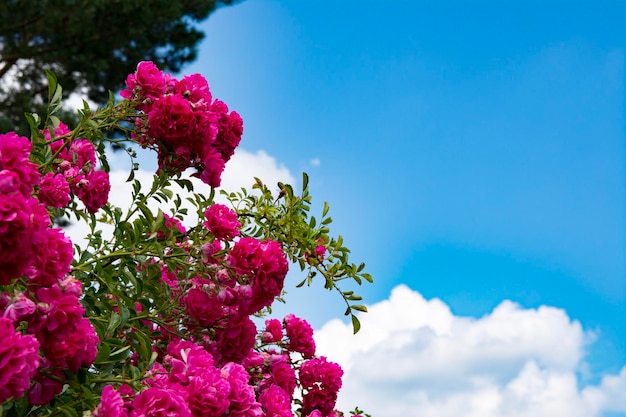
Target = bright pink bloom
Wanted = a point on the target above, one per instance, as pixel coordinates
(188, 359)
(159, 402)
(148, 82)
(300, 334)
(23, 222)
(237, 339)
(211, 168)
(196, 89)
(171, 119)
(270, 276)
(9, 182)
(44, 389)
(14, 154)
(208, 394)
(222, 222)
(242, 398)
(246, 255)
(111, 404)
(52, 260)
(230, 131)
(205, 309)
(20, 308)
(95, 192)
(19, 359)
(273, 331)
(319, 370)
(54, 191)
(319, 399)
(276, 402)
(283, 373)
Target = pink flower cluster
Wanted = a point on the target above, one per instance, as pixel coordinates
(73, 171)
(184, 123)
(221, 368)
(189, 381)
(48, 309)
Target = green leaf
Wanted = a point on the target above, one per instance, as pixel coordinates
(326, 208)
(359, 307)
(356, 324)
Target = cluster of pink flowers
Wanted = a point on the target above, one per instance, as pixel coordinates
(209, 358)
(222, 367)
(190, 381)
(48, 309)
(73, 171)
(188, 127)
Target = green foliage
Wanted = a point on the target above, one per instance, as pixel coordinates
(286, 219)
(88, 44)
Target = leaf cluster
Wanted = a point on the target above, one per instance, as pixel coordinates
(286, 219)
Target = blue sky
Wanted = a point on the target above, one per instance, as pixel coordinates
(473, 151)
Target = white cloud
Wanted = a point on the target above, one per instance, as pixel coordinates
(240, 172)
(415, 357)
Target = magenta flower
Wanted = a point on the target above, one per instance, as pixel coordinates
(44, 389)
(159, 402)
(20, 308)
(273, 331)
(148, 82)
(54, 191)
(276, 402)
(222, 222)
(111, 404)
(14, 153)
(19, 359)
(300, 334)
(53, 259)
(23, 224)
(94, 191)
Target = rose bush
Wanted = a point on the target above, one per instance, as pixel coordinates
(157, 319)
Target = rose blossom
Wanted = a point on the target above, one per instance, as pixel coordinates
(19, 359)
(111, 404)
(159, 402)
(44, 388)
(53, 259)
(54, 191)
(14, 153)
(147, 82)
(273, 331)
(171, 119)
(95, 192)
(23, 222)
(300, 334)
(20, 308)
(276, 402)
(222, 222)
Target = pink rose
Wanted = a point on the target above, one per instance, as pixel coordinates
(159, 402)
(111, 404)
(19, 359)
(273, 331)
(147, 82)
(276, 402)
(95, 192)
(53, 259)
(300, 334)
(44, 389)
(222, 222)
(23, 224)
(14, 154)
(171, 119)
(54, 191)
